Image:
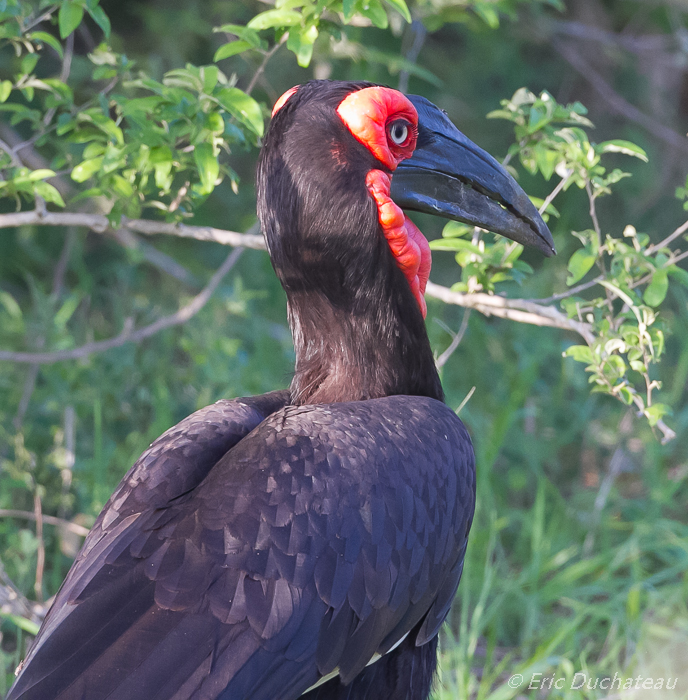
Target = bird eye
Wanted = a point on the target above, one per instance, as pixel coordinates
(399, 132)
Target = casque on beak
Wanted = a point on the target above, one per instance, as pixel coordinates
(449, 176)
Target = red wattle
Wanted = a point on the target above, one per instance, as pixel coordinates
(409, 246)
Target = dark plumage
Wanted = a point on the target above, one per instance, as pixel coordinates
(278, 545)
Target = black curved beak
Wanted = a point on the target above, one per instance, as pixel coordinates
(450, 176)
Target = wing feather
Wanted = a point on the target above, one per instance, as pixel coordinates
(319, 538)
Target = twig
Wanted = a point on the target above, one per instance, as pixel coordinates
(593, 212)
(261, 68)
(64, 74)
(41, 18)
(680, 257)
(16, 162)
(514, 309)
(40, 554)
(63, 262)
(27, 393)
(13, 601)
(419, 33)
(163, 262)
(615, 465)
(570, 292)
(458, 337)
(100, 224)
(635, 44)
(466, 399)
(70, 457)
(560, 186)
(617, 103)
(47, 519)
(671, 237)
(127, 335)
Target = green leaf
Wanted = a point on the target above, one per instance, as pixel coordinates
(619, 146)
(101, 19)
(61, 318)
(274, 18)
(231, 49)
(22, 622)
(208, 167)
(47, 39)
(488, 14)
(11, 306)
(656, 411)
(679, 273)
(401, 7)
(348, 9)
(69, 17)
(244, 33)
(242, 107)
(49, 193)
(41, 174)
(28, 63)
(579, 265)
(456, 228)
(580, 353)
(656, 291)
(86, 169)
(373, 10)
(301, 43)
(454, 244)
(5, 90)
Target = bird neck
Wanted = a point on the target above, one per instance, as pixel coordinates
(369, 345)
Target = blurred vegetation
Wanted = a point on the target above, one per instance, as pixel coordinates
(154, 109)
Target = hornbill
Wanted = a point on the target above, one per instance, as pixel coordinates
(304, 543)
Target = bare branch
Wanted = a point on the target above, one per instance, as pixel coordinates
(617, 103)
(570, 292)
(13, 602)
(47, 519)
(16, 162)
(261, 68)
(418, 32)
(64, 74)
(456, 340)
(560, 186)
(40, 554)
(513, 309)
(652, 43)
(100, 224)
(127, 335)
(163, 262)
(671, 237)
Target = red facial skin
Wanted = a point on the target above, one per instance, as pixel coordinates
(282, 100)
(367, 114)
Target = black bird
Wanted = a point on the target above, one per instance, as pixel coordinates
(305, 543)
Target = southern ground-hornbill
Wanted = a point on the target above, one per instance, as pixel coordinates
(305, 543)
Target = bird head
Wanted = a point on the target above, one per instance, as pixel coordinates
(340, 164)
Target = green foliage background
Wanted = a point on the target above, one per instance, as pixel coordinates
(578, 560)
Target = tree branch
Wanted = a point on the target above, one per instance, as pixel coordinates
(617, 103)
(513, 309)
(456, 340)
(671, 237)
(127, 335)
(100, 224)
(520, 310)
(47, 519)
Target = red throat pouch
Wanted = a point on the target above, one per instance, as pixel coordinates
(409, 246)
